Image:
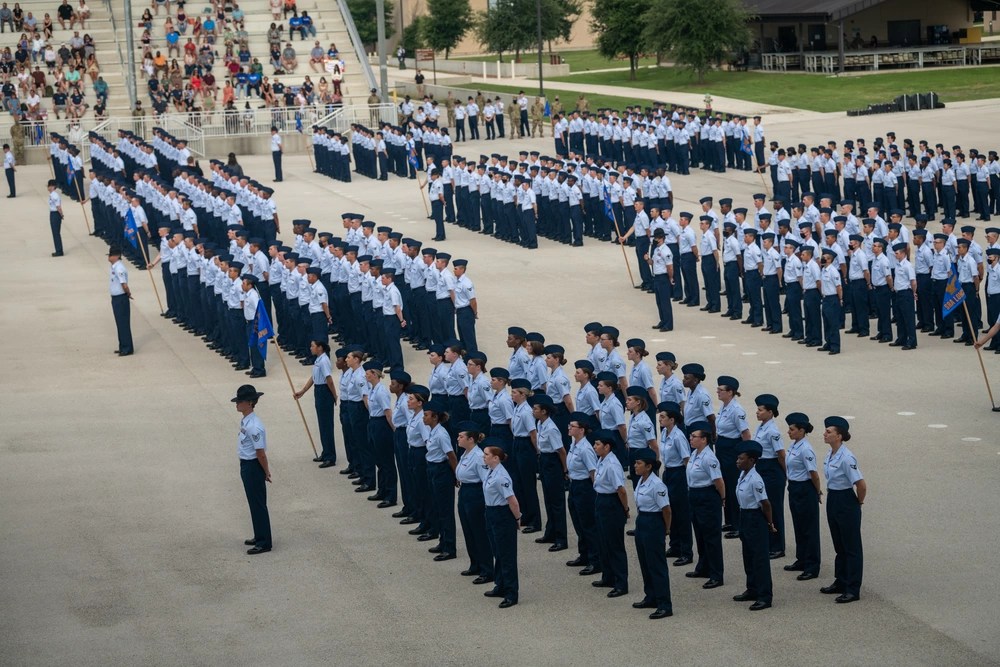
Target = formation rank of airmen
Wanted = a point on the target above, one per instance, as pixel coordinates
(415, 443)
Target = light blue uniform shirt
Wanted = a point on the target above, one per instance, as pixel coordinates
(800, 460)
(357, 385)
(641, 376)
(518, 364)
(379, 400)
(609, 476)
(457, 380)
(400, 412)
(750, 490)
(537, 373)
(252, 437)
(612, 414)
(731, 421)
(769, 438)
(557, 386)
(438, 445)
(698, 405)
(471, 469)
(523, 422)
(581, 460)
(321, 370)
(438, 379)
(497, 487)
(841, 469)
(549, 439)
(674, 448)
(587, 399)
(651, 495)
(417, 431)
(671, 389)
(501, 408)
(479, 392)
(703, 469)
(640, 431)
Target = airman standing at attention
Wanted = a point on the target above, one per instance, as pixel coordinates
(537, 117)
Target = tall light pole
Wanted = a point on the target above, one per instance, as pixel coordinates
(538, 19)
(382, 71)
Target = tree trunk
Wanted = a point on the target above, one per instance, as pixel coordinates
(633, 62)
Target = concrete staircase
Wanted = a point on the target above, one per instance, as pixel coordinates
(99, 27)
(330, 28)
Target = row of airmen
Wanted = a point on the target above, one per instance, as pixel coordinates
(865, 271)
(410, 442)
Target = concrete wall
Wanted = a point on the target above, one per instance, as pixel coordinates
(474, 68)
(953, 13)
(580, 39)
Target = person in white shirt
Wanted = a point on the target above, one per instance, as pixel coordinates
(120, 297)
(9, 163)
(276, 150)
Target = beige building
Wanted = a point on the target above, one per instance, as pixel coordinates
(790, 26)
(582, 38)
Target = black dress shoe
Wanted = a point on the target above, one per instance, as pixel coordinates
(415, 531)
(353, 475)
(426, 537)
(409, 520)
(385, 503)
(617, 593)
(731, 535)
(758, 605)
(507, 603)
(696, 575)
(258, 550)
(745, 596)
(895, 343)
(711, 583)
(364, 489)
(832, 589)
(531, 529)
(482, 579)
(644, 604)
(776, 554)
(630, 532)
(806, 576)
(544, 540)
(661, 613)
(794, 567)
(327, 464)
(377, 496)
(579, 561)
(494, 593)
(672, 553)
(252, 541)
(846, 597)
(683, 560)
(435, 549)
(469, 573)
(590, 570)
(442, 557)
(317, 459)
(728, 527)
(559, 547)
(602, 584)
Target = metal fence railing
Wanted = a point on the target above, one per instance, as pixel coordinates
(196, 127)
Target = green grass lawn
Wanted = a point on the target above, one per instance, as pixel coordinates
(811, 91)
(578, 61)
(568, 98)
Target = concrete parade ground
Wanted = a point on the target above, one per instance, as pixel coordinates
(124, 517)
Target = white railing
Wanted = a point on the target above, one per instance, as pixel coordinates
(370, 116)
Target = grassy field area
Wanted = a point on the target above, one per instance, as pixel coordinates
(568, 98)
(810, 91)
(578, 61)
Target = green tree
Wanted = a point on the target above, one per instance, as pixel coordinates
(512, 25)
(364, 14)
(697, 34)
(615, 23)
(413, 36)
(446, 23)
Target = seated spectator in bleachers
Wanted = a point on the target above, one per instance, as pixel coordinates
(190, 47)
(228, 93)
(182, 24)
(308, 27)
(51, 58)
(147, 19)
(288, 7)
(100, 110)
(161, 3)
(274, 57)
(295, 26)
(190, 62)
(47, 26)
(18, 17)
(37, 47)
(30, 22)
(34, 102)
(274, 35)
(316, 57)
(146, 39)
(6, 18)
(256, 72)
(21, 56)
(73, 76)
(244, 55)
(101, 89)
(160, 63)
(242, 83)
(175, 76)
(237, 12)
(65, 13)
(59, 99)
(276, 9)
(76, 44)
(82, 13)
(289, 61)
(337, 78)
(93, 69)
(173, 37)
(38, 78)
(209, 85)
(77, 105)
(332, 52)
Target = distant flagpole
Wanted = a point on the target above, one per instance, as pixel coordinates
(609, 212)
(132, 234)
(309, 140)
(71, 173)
(297, 404)
(420, 186)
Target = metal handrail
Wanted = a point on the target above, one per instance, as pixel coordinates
(129, 72)
(359, 47)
